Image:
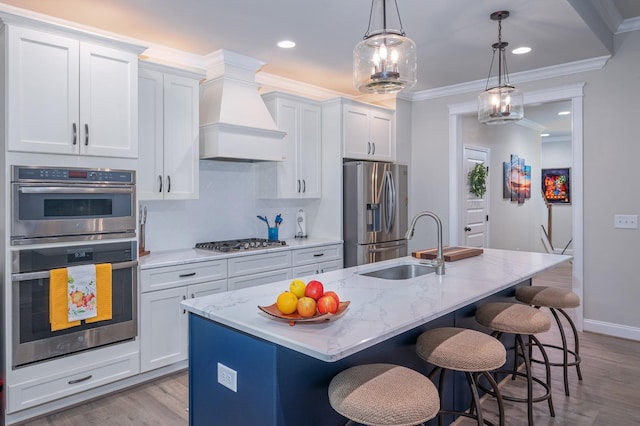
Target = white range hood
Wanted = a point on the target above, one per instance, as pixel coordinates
(234, 121)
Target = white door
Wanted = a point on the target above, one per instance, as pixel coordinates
(475, 216)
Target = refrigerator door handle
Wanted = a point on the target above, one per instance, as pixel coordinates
(390, 201)
(384, 249)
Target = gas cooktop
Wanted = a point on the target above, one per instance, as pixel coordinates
(240, 245)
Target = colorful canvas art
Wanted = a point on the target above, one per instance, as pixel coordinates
(556, 187)
(517, 180)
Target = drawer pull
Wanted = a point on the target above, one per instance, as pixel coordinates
(83, 379)
(190, 274)
(318, 255)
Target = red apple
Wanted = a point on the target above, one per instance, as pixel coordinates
(306, 307)
(334, 295)
(327, 304)
(314, 290)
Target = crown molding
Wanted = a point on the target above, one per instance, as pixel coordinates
(521, 77)
(628, 25)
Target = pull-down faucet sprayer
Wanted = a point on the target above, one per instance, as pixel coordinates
(438, 262)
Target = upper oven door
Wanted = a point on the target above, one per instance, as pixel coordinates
(50, 212)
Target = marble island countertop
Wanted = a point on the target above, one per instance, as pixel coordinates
(379, 309)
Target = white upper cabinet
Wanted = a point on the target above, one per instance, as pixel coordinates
(168, 134)
(368, 132)
(68, 96)
(300, 174)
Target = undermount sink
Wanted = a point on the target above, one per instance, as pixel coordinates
(400, 272)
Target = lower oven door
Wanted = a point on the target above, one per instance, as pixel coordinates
(32, 337)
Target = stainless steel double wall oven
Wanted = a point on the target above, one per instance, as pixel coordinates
(62, 217)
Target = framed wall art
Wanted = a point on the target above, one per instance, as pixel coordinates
(556, 187)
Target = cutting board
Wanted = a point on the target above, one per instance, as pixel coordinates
(451, 254)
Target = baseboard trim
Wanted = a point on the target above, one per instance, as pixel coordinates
(611, 329)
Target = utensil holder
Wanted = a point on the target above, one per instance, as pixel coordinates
(272, 233)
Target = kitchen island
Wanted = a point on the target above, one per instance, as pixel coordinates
(283, 371)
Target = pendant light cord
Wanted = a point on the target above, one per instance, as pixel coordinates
(384, 20)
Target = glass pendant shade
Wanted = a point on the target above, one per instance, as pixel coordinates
(500, 104)
(384, 63)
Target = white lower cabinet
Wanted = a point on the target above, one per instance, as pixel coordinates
(258, 269)
(163, 322)
(317, 260)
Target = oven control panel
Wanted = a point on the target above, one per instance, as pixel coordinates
(70, 174)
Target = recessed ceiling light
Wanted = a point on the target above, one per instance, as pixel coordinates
(564, 113)
(521, 50)
(286, 44)
(544, 135)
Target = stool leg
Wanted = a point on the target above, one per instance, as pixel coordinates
(565, 352)
(498, 396)
(527, 367)
(576, 343)
(547, 366)
(475, 398)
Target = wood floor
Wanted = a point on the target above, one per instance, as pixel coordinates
(608, 395)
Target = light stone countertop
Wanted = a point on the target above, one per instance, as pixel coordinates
(192, 255)
(379, 309)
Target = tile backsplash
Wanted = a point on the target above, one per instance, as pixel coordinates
(226, 209)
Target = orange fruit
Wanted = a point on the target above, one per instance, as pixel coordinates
(287, 302)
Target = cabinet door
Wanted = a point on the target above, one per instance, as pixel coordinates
(181, 144)
(42, 92)
(310, 151)
(287, 181)
(150, 135)
(356, 132)
(205, 289)
(163, 328)
(108, 102)
(237, 283)
(382, 135)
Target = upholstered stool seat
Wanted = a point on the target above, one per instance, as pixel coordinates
(557, 300)
(520, 320)
(384, 394)
(469, 351)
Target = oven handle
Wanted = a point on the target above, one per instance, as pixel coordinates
(38, 275)
(73, 190)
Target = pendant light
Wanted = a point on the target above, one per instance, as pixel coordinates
(501, 103)
(385, 60)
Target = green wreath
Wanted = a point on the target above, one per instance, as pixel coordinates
(478, 180)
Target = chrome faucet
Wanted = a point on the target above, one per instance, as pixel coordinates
(438, 262)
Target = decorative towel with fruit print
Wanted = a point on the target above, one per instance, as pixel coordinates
(58, 305)
(81, 289)
(104, 293)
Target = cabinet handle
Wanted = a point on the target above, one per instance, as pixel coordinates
(168, 183)
(298, 186)
(193, 296)
(368, 147)
(318, 255)
(160, 180)
(82, 379)
(86, 134)
(374, 148)
(304, 186)
(184, 311)
(190, 274)
(75, 134)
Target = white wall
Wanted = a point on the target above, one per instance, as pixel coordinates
(611, 152)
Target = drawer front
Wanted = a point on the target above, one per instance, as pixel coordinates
(255, 264)
(237, 283)
(176, 276)
(318, 268)
(45, 389)
(317, 254)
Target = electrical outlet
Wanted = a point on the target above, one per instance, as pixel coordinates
(227, 377)
(625, 221)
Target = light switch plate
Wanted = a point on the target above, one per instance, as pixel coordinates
(625, 221)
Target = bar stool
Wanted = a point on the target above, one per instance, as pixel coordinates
(557, 300)
(383, 394)
(469, 351)
(520, 320)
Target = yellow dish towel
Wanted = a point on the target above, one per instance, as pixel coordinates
(104, 296)
(58, 308)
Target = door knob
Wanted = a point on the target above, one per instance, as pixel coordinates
(467, 229)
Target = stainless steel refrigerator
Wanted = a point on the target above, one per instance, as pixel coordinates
(374, 211)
